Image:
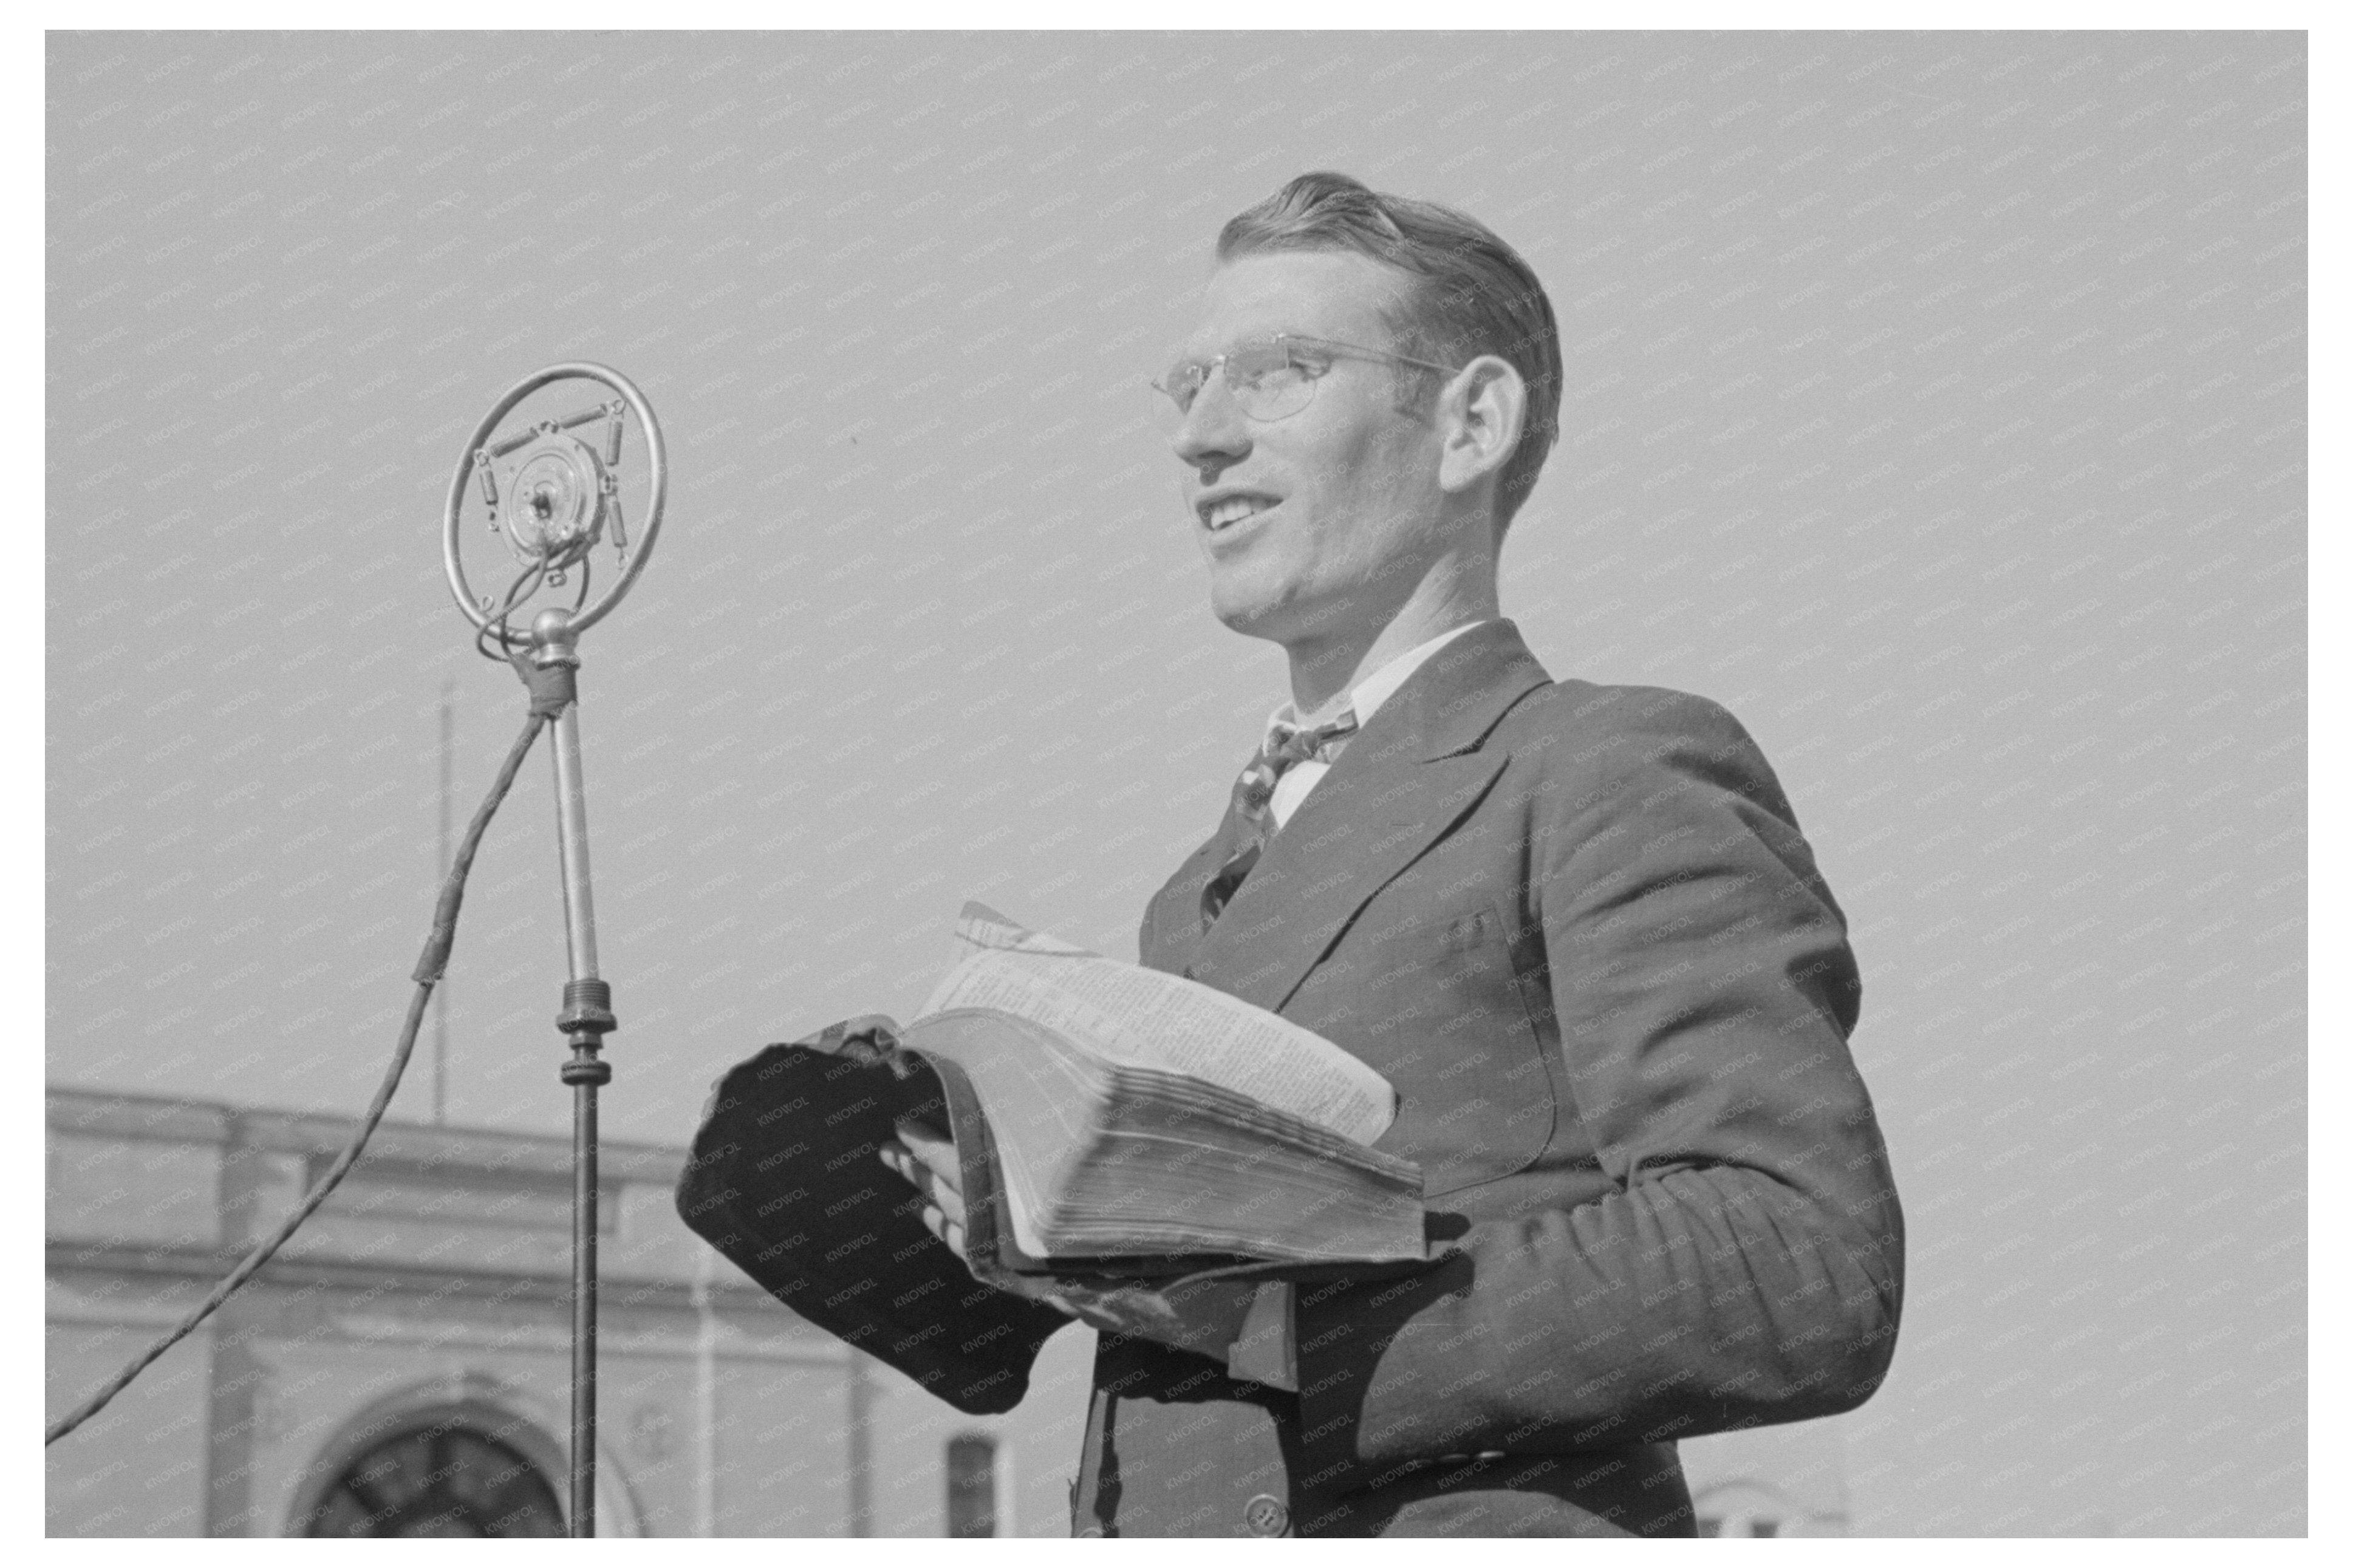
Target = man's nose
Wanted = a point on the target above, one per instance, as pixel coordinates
(1213, 436)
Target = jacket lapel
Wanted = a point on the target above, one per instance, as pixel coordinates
(1409, 775)
(1172, 922)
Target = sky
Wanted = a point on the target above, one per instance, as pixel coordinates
(1935, 402)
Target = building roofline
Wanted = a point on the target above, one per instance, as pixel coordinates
(177, 1119)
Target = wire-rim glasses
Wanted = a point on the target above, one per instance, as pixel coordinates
(1274, 377)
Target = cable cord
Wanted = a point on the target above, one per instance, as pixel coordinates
(428, 973)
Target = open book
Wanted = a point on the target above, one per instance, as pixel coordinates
(1114, 1119)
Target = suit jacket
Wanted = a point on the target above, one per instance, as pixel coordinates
(1579, 930)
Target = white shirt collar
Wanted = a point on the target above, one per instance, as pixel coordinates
(1365, 697)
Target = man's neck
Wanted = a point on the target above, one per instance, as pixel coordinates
(1323, 670)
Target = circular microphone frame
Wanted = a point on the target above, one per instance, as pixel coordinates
(647, 530)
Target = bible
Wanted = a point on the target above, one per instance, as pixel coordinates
(1112, 1120)
(1114, 1127)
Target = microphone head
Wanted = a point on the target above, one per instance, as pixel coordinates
(554, 499)
(551, 497)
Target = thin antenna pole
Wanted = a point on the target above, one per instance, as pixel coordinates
(442, 993)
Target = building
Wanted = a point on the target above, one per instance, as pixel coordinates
(403, 1366)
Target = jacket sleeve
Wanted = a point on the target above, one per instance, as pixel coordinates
(1742, 1263)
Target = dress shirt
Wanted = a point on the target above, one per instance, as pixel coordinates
(1365, 699)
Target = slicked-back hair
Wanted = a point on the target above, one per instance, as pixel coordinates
(1469, 294)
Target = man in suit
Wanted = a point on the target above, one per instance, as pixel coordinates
(1576, 926)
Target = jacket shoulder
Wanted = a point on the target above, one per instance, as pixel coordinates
(1598, 719)
(1594, 745)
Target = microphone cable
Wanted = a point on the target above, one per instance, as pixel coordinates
(550, 690)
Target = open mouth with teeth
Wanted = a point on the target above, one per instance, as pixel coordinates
(1235, 509)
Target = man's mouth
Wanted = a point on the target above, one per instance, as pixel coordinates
(1233, 510)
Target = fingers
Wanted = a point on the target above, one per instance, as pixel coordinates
(1108, 1311)
(937, 1153)
(1203, 1317)
(918, 1160)
(930, 1162)
(920, 1174)
(946, 1229)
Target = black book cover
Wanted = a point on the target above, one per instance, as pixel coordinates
(785, 1180)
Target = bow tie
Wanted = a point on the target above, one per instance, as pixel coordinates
(1286, 747)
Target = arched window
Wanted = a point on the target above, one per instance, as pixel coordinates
(972, 1487)
(1742, 1508)
(1759, 1526)
(445, 1478)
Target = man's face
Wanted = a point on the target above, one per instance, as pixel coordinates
(1344, 498)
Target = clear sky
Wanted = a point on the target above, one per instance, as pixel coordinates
(1934, 401)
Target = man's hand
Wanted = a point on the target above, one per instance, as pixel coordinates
(1205, 1318)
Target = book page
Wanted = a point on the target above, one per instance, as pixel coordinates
(1134, 1014)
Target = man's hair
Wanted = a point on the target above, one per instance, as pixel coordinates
(1470, 294)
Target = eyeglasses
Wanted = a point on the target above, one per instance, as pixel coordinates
(1271, 378)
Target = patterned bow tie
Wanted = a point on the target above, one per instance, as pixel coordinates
(1286, 747)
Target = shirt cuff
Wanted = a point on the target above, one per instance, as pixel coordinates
(1265, 1351)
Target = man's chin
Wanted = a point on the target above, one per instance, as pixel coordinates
(1275, 617)
(1251, 615)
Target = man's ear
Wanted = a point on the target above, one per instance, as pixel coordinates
(1480, 415)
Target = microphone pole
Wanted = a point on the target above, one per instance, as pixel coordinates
(586, 1018)
(551, 504)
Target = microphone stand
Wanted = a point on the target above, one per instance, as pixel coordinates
(586, 1017)
(559, 499)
